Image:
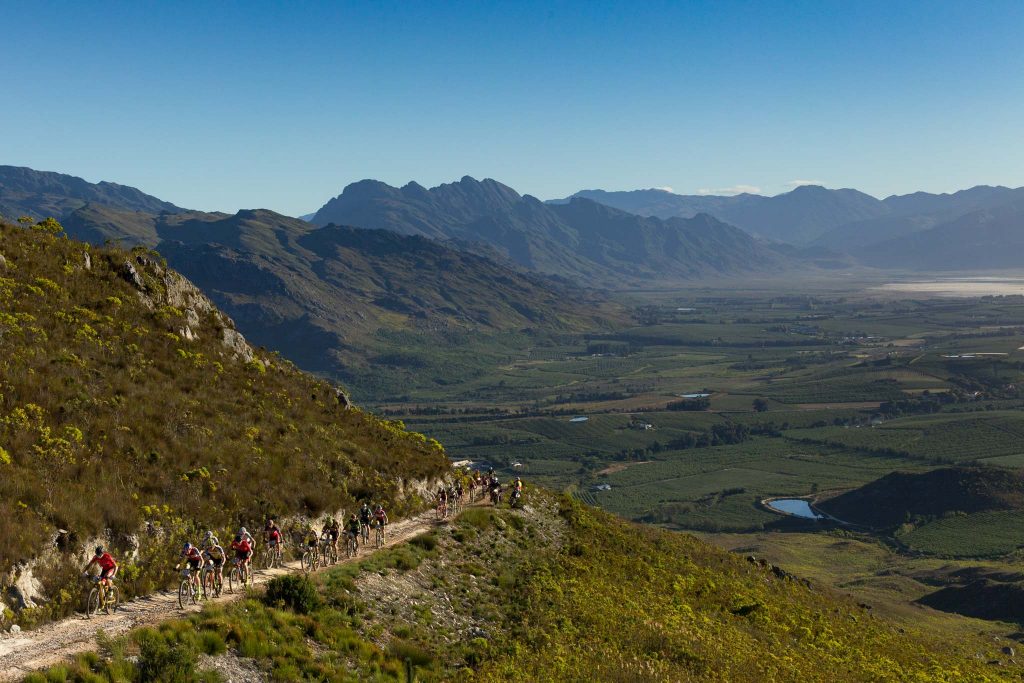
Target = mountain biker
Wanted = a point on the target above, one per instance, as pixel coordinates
(214, 555)
(518, 486)
(247, 537)
(243, 551)
(380, 517)
(272, 534)
(334, 528)
(365, 517)
(107, 564)
(311, 537)
(352, 529)
(193, 557)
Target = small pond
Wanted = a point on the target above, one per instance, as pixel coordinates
(794, 506)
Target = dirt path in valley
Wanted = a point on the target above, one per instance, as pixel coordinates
(53, 643)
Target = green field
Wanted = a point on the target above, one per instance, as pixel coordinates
(983, 534)
(849, 388)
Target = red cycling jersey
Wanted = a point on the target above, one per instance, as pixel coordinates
(275, 534)
(106, 562)
(241, 546)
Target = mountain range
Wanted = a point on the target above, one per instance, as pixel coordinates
(580, 239)
(324, 293)
(875, 231)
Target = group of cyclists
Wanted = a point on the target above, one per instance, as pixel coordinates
(210, 557)
(450, 499)
(207, 560)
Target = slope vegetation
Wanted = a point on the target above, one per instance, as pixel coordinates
(555, 592)
(127, 398)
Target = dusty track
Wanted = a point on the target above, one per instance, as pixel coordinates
(50, 644)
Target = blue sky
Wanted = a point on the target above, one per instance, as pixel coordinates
(234, 105)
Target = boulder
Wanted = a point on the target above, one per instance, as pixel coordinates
(3, 262)
(87, 261)
(343, 400)
(236, 343)
(129, 273)
(23, 590)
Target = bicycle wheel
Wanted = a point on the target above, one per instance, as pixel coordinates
(92, 603)
(380, 537)
(112, 601)
(306, 561)
(184, 593)
(234, 579)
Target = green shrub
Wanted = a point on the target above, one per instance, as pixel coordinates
(427, 541)
(295, 591)
(161, 661)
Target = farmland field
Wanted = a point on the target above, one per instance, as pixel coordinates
(806, 395)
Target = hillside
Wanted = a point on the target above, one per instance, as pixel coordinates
(900, 497)
(914, 213)
(991, 238)
(580, 239)
(39, 194)
(333, 298)
(127, 398)
(554, 592)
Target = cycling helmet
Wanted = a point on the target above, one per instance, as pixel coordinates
(380, 507)
(238, 538)
(99, 550)
(243, 531)
(188, 546)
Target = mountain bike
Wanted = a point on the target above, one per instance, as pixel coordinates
(239, 577)
(310, 559)
(190, 592)
(441, 510)
(212, 581)
(379, 536)
(351, 548)
(101, 597)
(271, 556)
(364, 530)
(327, 552)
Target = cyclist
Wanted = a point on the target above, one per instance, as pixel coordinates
(352, 530)
(335, 530)
(311, 537)
(243, 552)
(247, 537)
(107, 564)
(380, 518)
(273, 536)
(193, 557)
(215, 556)
(442, 501)
(365, 517)
(518, 486)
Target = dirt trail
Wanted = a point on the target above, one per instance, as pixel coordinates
(50, 644)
